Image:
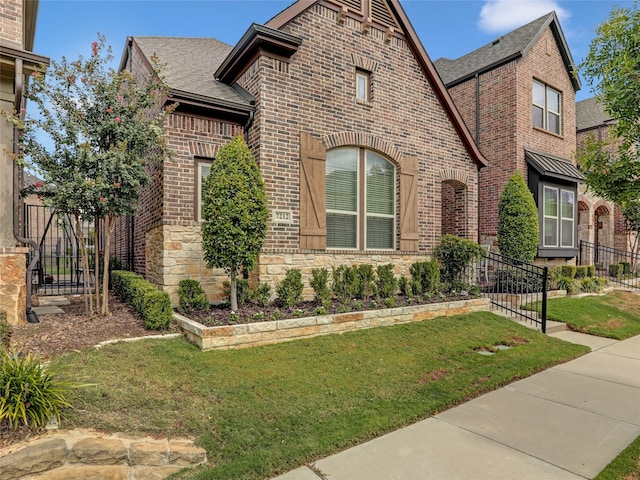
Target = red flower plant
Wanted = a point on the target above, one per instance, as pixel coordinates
(38, 184)
(102, 199)
(94, 48)
(109, 110)
(117, 119)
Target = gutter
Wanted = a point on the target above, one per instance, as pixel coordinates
(19, 85)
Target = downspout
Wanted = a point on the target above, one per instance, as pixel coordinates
(247, 126)
(477, 109)
(30, 314)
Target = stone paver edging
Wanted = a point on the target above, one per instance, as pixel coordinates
(276, 331)
(83, 454)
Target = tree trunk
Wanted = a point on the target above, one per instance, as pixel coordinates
(86, 277)
(109, 227)
(96, 260)
(233, 290)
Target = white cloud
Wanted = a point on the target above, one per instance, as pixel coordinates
(499, 16)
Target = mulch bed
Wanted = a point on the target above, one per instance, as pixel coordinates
(251, 312)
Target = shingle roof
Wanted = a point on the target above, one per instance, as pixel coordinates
(503, 49)
(190, 64)
(551, 166)
(590, 113)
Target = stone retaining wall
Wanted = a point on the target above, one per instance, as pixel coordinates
(81, 455)
(263, 333)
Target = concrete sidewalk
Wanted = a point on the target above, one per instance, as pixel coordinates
(567, 422)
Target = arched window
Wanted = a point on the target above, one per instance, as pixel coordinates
(361, 200)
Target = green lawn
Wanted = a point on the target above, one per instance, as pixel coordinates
(616, 315)
(266, 410)
(625, 466)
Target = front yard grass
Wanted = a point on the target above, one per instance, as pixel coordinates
(266, 410)
(625, 466)
(616, 315)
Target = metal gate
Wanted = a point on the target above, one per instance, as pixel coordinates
(59, 271)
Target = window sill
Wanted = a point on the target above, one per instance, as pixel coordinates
(548, 132)
(556, 252)
(364, 104)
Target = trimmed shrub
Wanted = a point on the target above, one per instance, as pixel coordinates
(289, 290)
(425, 277)
(261, 294)
(320, 284)
(569, 271)
(191, 296)
(138, 293)
(30, 394)
(339, 284)
(513, 280)
(626, 267)
(581, 271)
(5, 330)
(456, 254)
(386, 281)
(518, 221)
(591, 271)
(616, 270)
(405, 286)
(367, 278)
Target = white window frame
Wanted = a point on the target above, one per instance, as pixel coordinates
(363, 94)
(546, 110)
(199, 183)
(361, 204)
(558, 217)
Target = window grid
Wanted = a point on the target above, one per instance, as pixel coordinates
(558, 217)
(203, 168)
(546, 107)
(373, 228)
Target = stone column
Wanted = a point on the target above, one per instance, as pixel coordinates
(13, 289)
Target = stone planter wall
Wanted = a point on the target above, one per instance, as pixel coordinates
(13, 289)
(81, 455)
(263, 333)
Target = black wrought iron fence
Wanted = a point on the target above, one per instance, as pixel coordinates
(514, 287)
(618, 266)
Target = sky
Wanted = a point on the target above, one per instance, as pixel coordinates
(447, 28)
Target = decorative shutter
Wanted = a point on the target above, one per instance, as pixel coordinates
(409, 204)
(313, 211)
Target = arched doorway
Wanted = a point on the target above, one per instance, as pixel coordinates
(602, 230)
(454, 208)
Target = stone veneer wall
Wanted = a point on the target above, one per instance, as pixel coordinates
(174, 252)
(13, 289)
(277, 331)
(80, 455)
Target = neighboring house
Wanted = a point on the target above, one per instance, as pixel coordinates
(601, 222)
(364, 155)
(517, 96)
(17, 32)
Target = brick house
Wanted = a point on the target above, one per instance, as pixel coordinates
(517, 96)
(600, 222)
(364, 155)
(17, 32)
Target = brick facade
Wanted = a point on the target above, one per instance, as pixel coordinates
(12, 21)
(313, 92)
(497, 107)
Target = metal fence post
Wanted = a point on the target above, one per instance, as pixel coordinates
(545, 280)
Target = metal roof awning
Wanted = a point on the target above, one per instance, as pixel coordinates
(555, 167)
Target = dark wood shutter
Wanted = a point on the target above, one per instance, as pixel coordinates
(313, 211)
(409, 204)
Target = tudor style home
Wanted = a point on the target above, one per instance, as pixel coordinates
(600, 222)
(517, 96)
(358, 166)
(17, 61)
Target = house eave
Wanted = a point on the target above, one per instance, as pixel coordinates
(256, 39)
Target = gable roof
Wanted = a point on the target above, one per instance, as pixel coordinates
(590, 114)
(189, 64)
(430, 72)
(504, 49)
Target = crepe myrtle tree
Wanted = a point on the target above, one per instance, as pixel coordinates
(234, 217)
(88, 142)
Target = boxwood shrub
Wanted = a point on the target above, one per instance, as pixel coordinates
(144, 298)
